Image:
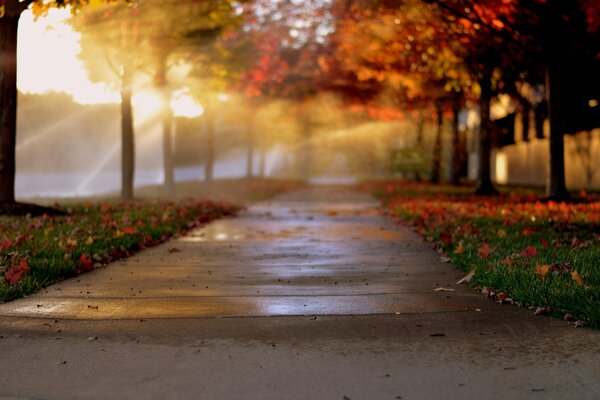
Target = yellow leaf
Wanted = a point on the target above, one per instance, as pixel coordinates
(89, 240)
(542, 270)
(577, 277)
(71, 242)
(501, 233)
(119, 233)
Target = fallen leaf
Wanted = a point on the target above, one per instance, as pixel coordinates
(542, 270)
(543, 310)
(579, 324)
(484, 251)
(443, 289)
(501, 233)
(467, 278)
(529, 252)
(544, 243)
(459, 249)
(5, 243)
(569, 317)
(577, 277)
(174, 250)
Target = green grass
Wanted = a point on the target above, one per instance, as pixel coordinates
(565, 237)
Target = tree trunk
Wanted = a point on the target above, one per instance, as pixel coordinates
(250, 147)
(210, 145)
(262, 162)
(456, 153)
(556, 188)
(8, 106)
(306, 151)
(436, 162)
(420, 134)
(169, 170)
(127, 139)
(484, 181)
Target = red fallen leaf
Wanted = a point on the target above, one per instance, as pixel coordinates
(508, 261)
(86, 261)
(21, 238)
(16, 272)
(529, 252)
(446, 238)
(484, 251)
(5, 243)
(130, 230)
(544, 243)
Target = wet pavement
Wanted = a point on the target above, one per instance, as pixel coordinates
(327, 253)
(314, 295)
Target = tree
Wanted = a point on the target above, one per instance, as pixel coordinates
(540, 34)
(110, 51)
(10, 12)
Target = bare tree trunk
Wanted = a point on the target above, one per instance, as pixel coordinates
(436, 162)
(262, 161)
(456, 153)
(169, 169)
(556, 188)
(420, 133)
(484, 181)
(8, 106)
(306, 151)
(250, 147)
(210, 145)
(127, 139)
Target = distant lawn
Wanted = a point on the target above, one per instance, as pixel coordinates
(541, 255)
(37, 251)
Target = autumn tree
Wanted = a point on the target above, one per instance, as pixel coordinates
(110, 49)
(288, 39)
(538, 34)
(404, 47)
(10, 12)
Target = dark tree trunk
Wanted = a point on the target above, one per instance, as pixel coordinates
(210, 146)
(556, 188)
(250, 139)
(484, 181)
(127, 140)
(526, 110)
(420, 133)
(8, 106)
(436, 162)
(456, 153)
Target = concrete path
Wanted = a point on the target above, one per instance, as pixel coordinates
(312, 296)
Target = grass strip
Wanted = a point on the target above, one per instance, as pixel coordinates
(37, 251)
(537, 254)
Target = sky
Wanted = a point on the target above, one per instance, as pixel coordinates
(47, 61)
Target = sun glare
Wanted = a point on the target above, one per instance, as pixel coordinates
(146, 104)
(47, 59)
(184, 105)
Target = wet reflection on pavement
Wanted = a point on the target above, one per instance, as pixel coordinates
(322, 251)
